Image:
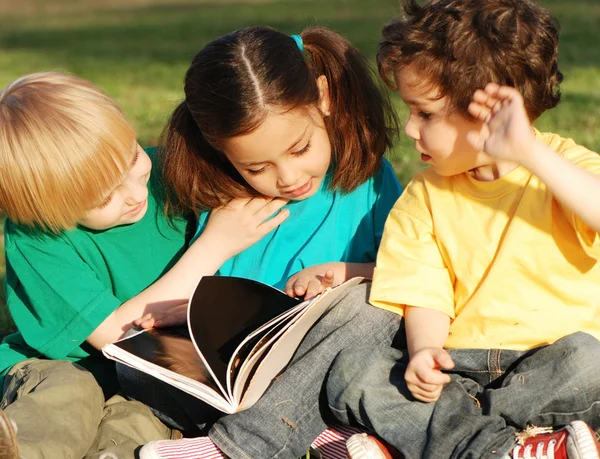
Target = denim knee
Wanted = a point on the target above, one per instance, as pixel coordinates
(357, 374)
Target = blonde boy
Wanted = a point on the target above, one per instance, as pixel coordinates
(86, 242)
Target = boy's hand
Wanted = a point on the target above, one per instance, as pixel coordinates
(176, 315)
(507, 133)
(313, 280)
(424, 377)
(243, 222)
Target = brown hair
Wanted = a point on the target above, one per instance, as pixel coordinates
(64, 145)
(229, 88)
(461, 45)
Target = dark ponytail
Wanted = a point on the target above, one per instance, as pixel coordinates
(234, 82)
(362, 124)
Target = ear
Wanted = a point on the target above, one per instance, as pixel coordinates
(324, 99)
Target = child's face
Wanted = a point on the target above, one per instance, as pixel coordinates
(440, 136)
(286, 157)
(128, 202)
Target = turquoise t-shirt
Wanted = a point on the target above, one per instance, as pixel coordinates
(327, 227)
(59, 289)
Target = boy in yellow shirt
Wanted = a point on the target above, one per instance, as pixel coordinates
(490, 255)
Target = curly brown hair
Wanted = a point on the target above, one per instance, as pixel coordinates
(461, 45)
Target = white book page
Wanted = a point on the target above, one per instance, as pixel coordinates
(184, 383)
(235, 387)
(284, 348)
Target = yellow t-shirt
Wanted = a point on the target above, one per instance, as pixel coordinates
(511, 266)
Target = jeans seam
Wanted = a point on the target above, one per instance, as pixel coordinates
(217, 432)
(570, 413)
(494, 367)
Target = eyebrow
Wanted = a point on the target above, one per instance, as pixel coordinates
(291, 147)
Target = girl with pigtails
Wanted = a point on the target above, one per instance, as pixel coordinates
(298, 121)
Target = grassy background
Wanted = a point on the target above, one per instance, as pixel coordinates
(139, 50)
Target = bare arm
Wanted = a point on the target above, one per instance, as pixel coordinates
(229, 231)
(426, 333)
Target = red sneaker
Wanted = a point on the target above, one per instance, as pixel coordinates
(574, 441)
(365, 446)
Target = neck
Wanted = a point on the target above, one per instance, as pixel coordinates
(493, 171)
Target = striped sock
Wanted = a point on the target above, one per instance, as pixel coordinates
(187, 448)
(331, 444)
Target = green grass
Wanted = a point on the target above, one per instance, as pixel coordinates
(139, 50)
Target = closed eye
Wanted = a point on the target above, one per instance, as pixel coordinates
(256, 171)
(106, 202)
(302, 151)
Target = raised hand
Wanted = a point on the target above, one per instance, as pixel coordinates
(507, 133)
(243, 222)
(313, 280)
(424, 377)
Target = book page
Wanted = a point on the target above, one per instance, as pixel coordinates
(172, 349)
(284, 348)
(223, 311)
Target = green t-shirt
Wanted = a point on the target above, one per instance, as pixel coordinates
(59, 289)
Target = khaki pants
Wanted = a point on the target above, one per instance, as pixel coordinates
(60, 412)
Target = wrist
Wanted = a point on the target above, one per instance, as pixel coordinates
(531, 152)
(212, 248)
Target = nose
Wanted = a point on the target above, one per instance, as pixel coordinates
(411, 128)
(287, 175)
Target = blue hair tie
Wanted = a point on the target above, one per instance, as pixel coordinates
(298, 40)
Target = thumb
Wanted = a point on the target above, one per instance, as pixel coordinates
(443, 359)
(476, 140)
(328, 278)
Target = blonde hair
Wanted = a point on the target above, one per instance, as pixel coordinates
(64, 145)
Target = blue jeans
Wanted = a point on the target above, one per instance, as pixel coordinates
(293, 411)
(492, 394)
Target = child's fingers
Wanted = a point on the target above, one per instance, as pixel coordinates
(479, 110)
(269, 208)
(269, 225)
(431, 377)
(313, 289)
(492, 88)
(475, 139)
(300, 289)
(144, 318)
(149, 323)
(236, 204)
(443, 359)
(289, 287)
(328, 279)
(427, 397)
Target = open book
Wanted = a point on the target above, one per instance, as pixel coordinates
(240, 335)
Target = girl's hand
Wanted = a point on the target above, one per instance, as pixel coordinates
(507, 133)
(424, 377)
(174, 316)
(313, 280)
(243, 222)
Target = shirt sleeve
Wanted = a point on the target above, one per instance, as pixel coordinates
(55, 298)
(410, 268)
(589, 161)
